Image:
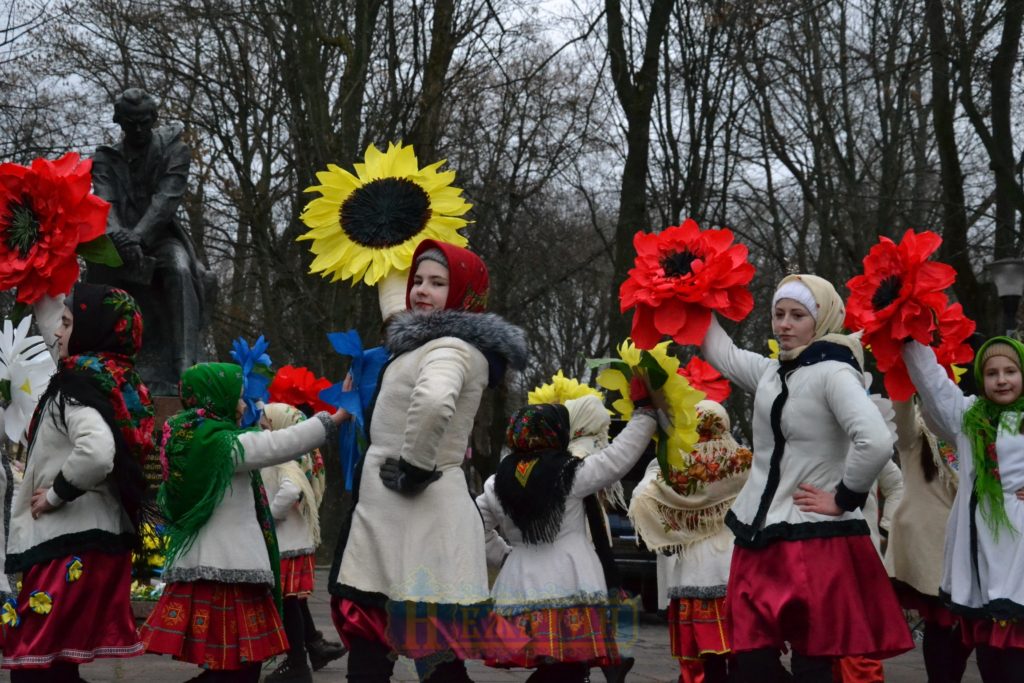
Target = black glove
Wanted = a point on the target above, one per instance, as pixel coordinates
(399, 475)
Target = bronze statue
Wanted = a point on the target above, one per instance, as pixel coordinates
(144, 177)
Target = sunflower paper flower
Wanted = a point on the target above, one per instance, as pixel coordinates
(299, 387)
(25, 370)
(702, 376)
(46, 213)
(73, 570)
(662, 371)
(899, 294)
(680, 276)
(256, 376)
(9, 613)
(40, 602)
(363, 226)
(561, 389)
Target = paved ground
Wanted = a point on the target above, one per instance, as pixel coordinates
(653, 662)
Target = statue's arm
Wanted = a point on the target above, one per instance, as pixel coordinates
(164, 202)
(105, 186)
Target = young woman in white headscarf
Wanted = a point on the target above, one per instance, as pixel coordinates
(804, 571)
(551, 597)
(684, 519)
(295, 490)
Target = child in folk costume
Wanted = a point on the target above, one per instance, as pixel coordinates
(802, 545)
(412, 552)
(550, 597)
(684, 519)
(75, 518)
(295, 490)
(983, 572)
(917, 535)
(220, 607)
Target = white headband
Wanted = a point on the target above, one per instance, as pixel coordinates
(798, 292)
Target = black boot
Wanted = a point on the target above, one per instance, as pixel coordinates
(616, 673)
(294, 669)
(321, 651)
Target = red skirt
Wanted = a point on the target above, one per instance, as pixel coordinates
(220, 626)
(562, 634)
(697, 628)
(827, 597)
(353, 620)
(297, 576)
(930, 607)
(76, 609)
(998, 634)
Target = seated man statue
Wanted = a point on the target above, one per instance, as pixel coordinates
(144, 177)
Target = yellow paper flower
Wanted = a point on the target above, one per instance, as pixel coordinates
(560, 390)
(364, 225)
(958, 372)
(74, 570)
(681, 397)
(773, 349)
(40, 602)
(9, 613)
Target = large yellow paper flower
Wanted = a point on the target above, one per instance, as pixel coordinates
(682, 399)
(560, 390)
(364, 225)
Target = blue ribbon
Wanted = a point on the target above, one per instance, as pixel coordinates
(365, 370)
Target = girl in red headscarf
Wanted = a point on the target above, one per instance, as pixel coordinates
(410, 573)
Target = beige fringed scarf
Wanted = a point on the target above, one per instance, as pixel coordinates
(672, 517)
(588, 425)
(303, 471)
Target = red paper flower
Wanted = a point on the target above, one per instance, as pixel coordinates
(703, 377)
(299, 387)
(950, 343)
(899, 295)
(46, 211)
(680, 275)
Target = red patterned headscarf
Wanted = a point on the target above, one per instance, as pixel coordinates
(468, 280)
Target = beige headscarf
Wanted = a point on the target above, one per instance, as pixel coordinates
(828, 318)
(588, 430)
(673, 517)
(303, 472)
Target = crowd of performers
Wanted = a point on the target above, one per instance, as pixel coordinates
(769, 553)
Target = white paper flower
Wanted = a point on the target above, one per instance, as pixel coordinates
(26, 365)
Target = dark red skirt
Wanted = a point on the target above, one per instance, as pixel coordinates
(697, 628)
(220, 626)
(562, 634)
(827, 597)
(75, 609)
(297, 576)
(998, 634)
(930, 607)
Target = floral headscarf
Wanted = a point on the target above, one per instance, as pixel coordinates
(100, 373)
(199, 452)
(981, 426)
(468, 280)
(534, 480)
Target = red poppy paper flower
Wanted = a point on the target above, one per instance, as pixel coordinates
(951, 348)
(680, 276)
(702, 376)
(899, 295)
(46, 211)
(298, 386)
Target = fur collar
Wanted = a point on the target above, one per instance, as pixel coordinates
(488, 332)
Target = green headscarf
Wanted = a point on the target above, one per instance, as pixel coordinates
(199, 451)
(981, 425)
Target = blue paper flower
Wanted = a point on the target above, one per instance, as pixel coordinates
(256, 376)
(365, 369)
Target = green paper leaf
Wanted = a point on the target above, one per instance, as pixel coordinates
(661, 452)
(20, 310)
(100, 250)
(5, 390)
(656, 375)
(598, 362)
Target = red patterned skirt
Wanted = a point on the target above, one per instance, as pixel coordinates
(930, 607)
(297, 576)
(75, 609)
(557, 634)
(791, 591)
(998, 634)
(220, 626)
(697, 628)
